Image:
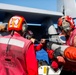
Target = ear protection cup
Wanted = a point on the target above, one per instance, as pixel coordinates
(24, 27)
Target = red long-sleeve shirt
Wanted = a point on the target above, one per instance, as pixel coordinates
(32, 65)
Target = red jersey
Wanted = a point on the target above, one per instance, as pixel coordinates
(17, 56)
(70, 66)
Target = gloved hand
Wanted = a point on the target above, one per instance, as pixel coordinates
(60, 59)
(33, 40)
(55, 65)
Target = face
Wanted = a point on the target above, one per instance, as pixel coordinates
(66, 27)
(74, 41)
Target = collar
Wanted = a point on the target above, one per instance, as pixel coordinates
(16, 34)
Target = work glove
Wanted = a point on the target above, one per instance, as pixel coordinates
(60, 59)
(33, 39)
(55, 65)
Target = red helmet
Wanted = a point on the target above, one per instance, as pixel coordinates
(66, 20)
(16, 23)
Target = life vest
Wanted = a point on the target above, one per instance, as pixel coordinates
(12, 55)
(70, 65)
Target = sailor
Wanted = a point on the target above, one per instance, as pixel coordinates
(17, 54)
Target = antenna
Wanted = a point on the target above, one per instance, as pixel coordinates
(67, 7)
(63, 11)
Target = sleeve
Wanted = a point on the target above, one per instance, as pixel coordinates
(70, 53)
(38, 47)
(50, 53)
(31, 62)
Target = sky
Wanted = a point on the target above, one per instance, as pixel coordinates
(40, 4)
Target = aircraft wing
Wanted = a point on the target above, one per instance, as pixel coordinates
(31, 15)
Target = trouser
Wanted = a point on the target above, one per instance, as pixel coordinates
(64, 72)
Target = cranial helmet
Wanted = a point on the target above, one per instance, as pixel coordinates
(17, 23)
(66, 23)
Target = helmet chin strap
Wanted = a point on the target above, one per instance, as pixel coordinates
(12, 32)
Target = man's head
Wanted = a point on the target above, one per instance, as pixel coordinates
(66, 24)
(17, 23)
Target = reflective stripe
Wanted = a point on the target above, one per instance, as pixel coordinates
(45, 70)
(12, 42)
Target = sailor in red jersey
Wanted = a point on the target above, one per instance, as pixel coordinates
(67, 27)
(17, 54)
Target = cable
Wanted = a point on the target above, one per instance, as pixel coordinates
(8, 46)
